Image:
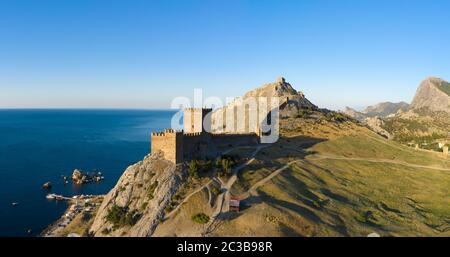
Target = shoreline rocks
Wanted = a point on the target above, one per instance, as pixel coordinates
(79, 177)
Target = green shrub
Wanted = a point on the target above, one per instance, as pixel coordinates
(336, 116)
(215, 191)
(193, 168)
(144, 206)
(303, 113)
(121, 216)
(226, 165)
(200, 218)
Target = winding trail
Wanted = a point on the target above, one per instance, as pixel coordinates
(262, 182)
(223, 198)
(170, 214)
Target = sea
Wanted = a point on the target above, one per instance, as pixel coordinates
(39, 146)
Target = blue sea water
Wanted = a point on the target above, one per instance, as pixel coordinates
(37, 146)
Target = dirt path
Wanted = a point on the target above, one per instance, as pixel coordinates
(224, 197)
(252, 190)
(170, 214)
(262, 182)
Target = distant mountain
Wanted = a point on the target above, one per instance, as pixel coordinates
(432, 94)
(381, 110)
(385, 109)
(427, 118)
(354, 114)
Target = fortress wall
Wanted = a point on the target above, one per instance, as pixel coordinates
(234, 140)
(198, 145)
(170, 143)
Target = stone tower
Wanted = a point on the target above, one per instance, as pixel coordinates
(170, 142)
(197, 120)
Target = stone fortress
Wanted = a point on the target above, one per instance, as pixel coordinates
(243, 122)
(197, 141)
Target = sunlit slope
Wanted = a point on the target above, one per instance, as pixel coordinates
(343, 180)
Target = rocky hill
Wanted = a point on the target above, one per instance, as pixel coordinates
(292, 102)
(433, 94)
(135, 206)
(428, 117)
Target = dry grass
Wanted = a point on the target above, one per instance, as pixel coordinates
(181, 223)
(326, 197)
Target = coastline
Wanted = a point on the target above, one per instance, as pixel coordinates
(80, 212)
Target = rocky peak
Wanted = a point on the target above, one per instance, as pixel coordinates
(279, 88)
(433, 94)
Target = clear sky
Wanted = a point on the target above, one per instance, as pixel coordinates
(141, 54)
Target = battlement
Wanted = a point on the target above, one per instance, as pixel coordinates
(198, 109)
(194, 134)
(167, 132)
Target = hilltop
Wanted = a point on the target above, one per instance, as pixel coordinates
(292, 103)
(433, 94)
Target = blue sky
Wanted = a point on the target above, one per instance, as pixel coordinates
(141, 54)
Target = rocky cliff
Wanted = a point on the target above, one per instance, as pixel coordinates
(428, 117)
(433, 94)
(136, 204)
(291, 103)
(295, 100)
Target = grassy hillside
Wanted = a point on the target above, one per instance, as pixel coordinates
(327, 177)
(348, 185)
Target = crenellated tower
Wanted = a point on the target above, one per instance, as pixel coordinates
(170, 142)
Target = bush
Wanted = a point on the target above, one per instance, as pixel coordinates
(193, 168)
(336, 116)
(144, 206)
(200, 218)
(303, 113)
(121, 216)
(226, 165)
(215, 191)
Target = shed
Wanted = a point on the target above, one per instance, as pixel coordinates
(235, 204)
